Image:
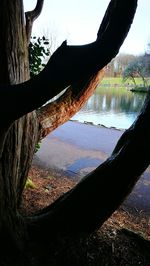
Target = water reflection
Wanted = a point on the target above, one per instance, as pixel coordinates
(115, 107)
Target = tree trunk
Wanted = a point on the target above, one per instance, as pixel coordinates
(20, 139)
(74, 65)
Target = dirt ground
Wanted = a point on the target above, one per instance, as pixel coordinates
(123, 240)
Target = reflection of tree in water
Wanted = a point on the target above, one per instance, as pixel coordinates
(125, 102)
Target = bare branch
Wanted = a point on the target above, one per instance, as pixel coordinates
(31, 16)
(69, 65)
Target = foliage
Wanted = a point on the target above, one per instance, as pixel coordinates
(38, 51)
(37, 146)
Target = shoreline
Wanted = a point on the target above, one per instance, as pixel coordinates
(75, 149)
(98, 125)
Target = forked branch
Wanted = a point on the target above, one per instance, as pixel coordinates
(31, 16)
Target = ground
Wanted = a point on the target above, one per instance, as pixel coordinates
(122, 240)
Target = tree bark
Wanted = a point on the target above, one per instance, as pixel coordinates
(59, 111)
(31, 16)
(94, 199)
(19, 140)
(71, 63)
(75, 66)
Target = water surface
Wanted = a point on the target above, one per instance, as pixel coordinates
(112, 107)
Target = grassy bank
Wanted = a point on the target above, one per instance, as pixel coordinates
(111, 81)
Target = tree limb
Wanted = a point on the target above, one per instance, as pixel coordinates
(61, 110)
(31, 16)
(92, 201)
(69, 64)
(99, 194)
(56, 113)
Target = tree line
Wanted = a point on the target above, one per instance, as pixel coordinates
(130, 66)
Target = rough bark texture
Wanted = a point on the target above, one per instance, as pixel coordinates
(22, 134)
(85, 207)
(31, 16)
(61, 110)
(14, 57)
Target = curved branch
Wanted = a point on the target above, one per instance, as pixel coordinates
(31, 16)
(92, 201)
(69, 64)
(61, 110)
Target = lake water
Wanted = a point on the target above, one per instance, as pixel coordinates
(112, 107)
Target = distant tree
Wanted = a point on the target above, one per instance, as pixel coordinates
(137, 68)
(130, 72)
(118, 64)
(146, 64)
(121, 61)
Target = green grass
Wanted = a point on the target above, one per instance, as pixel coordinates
(119, 81)
(116, 85)
(112, 90)
(111, 81)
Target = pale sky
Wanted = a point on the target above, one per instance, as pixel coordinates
(78, 22)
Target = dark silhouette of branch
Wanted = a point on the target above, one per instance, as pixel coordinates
(70, 64)
(92, 201)
(31, 16)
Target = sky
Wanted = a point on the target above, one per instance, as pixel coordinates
(77, 21)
